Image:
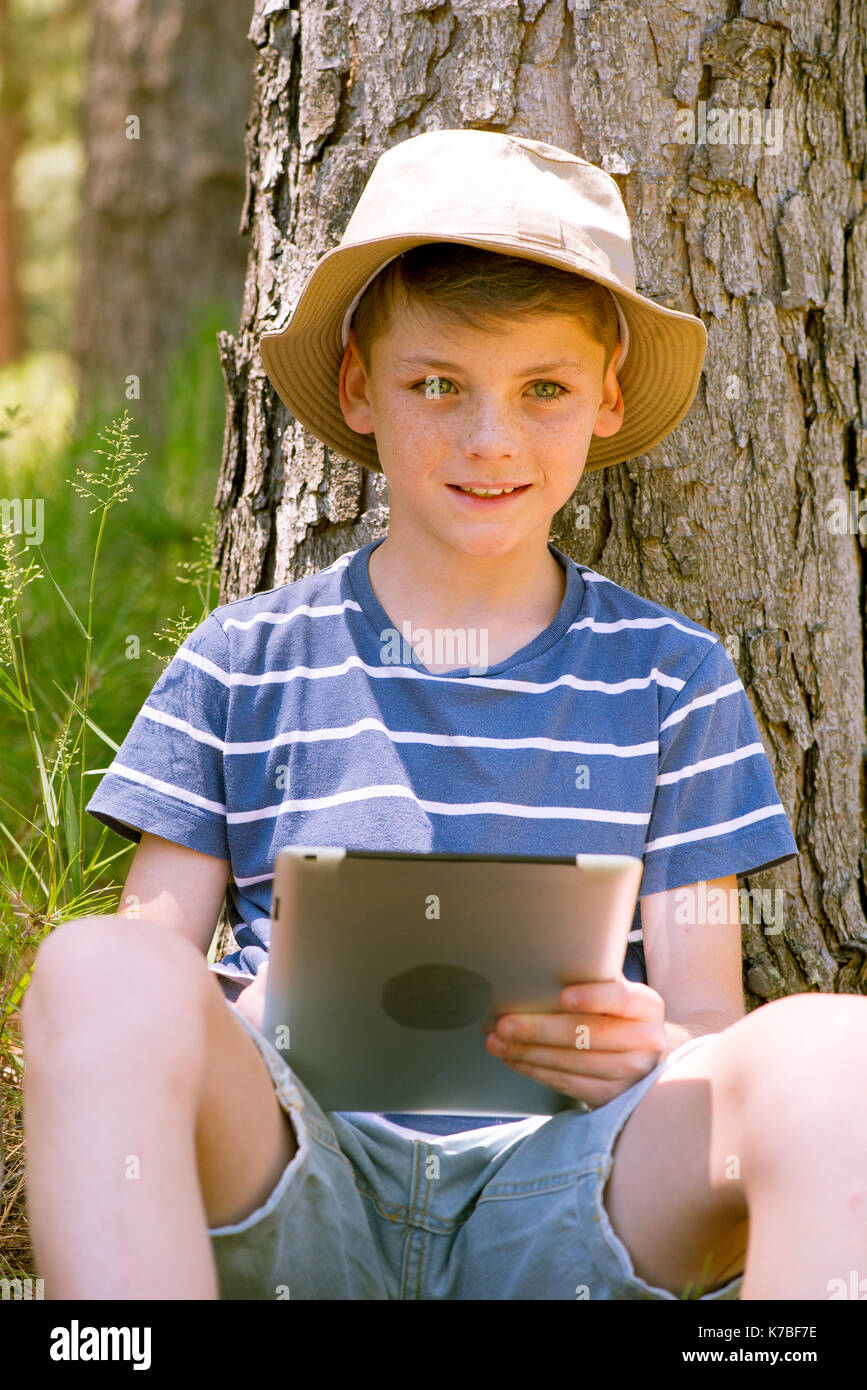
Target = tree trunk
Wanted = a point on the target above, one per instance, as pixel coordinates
(168, 93)
(756, 223)
(11, 327)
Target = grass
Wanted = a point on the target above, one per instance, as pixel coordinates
(695, 1289)
(89, 615)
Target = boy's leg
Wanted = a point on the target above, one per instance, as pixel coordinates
(149, 1113)
(753, 1144)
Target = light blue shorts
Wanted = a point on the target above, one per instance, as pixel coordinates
(368, 1210)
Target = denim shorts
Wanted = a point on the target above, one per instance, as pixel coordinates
(368, 1210)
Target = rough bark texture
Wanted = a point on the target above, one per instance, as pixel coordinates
(728, 519)
(160, 207)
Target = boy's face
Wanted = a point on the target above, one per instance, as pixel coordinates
(457, 405)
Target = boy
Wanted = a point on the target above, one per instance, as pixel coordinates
(476, 330)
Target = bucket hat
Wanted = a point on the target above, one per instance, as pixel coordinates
(503, 193)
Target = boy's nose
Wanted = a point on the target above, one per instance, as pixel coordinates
(490, 429)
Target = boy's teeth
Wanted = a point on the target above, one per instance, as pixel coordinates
(487, 492)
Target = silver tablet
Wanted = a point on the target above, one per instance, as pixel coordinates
(386, 970)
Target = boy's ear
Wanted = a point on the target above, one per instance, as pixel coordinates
(609, 417)
(353, 389)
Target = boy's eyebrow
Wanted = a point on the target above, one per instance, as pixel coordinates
(417, 362)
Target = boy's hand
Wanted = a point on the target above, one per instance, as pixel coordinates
(611, 1035)
(251, 1001)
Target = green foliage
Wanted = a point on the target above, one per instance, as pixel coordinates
(90, 613)
(66, 677)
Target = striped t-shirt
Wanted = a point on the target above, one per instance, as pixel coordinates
(300, 716)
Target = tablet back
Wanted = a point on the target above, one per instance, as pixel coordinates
(387, 969)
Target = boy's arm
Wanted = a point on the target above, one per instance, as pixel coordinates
(696, 966)
(170, 883)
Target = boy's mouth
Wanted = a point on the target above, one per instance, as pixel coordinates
(488, 496)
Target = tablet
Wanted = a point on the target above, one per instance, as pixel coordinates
(386, 969)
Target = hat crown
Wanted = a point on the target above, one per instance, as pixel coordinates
(479, 183)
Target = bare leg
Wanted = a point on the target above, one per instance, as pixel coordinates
(805, 1132)
(754, 1145)
(149, 1114)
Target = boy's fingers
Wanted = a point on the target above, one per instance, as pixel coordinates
(604, 1066)
(584, 1031)
(594, 1091)
(552, 1030)
(625, 998)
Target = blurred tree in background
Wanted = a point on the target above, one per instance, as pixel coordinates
(163, 116)
(42, 49)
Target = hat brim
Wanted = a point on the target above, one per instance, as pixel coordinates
(658, 380)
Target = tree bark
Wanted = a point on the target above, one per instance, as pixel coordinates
(169, 88)
(731, 519)
(11, 326)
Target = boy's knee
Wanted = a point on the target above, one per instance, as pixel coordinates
(789, 1048)
(87, 959)
(807, 1022)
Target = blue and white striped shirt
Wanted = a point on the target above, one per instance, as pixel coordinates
(284, 719)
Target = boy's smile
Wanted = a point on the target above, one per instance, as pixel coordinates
(457, 407)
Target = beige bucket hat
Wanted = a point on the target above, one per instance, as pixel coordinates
(503, 193)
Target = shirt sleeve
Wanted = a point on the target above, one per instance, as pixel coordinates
(716, 810)
(167, 777)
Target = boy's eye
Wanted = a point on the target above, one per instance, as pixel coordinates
(555, 384)
(433, 388)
